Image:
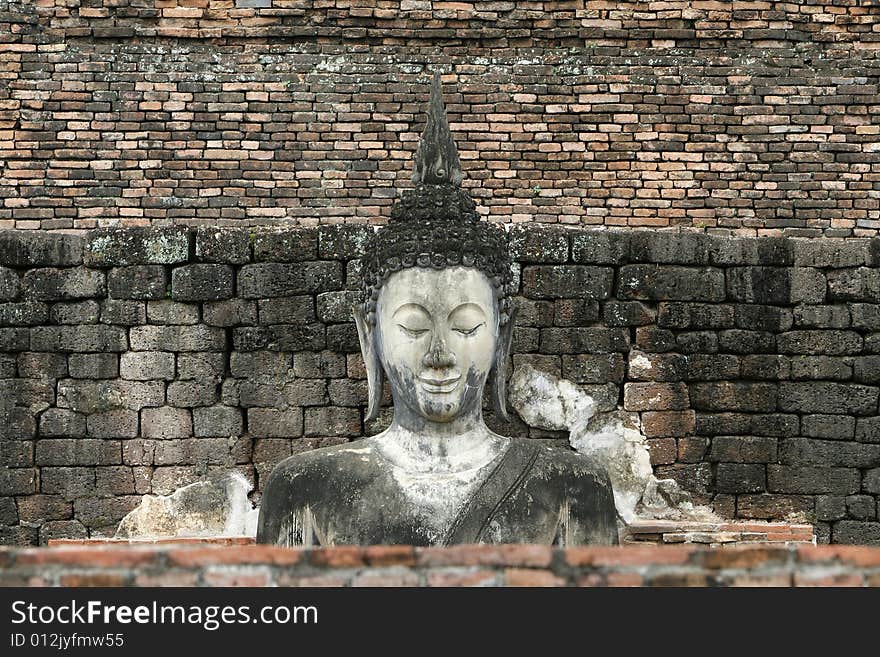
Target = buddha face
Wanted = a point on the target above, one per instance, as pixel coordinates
(437, 334)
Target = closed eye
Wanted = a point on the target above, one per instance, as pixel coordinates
(413, 332)
(467, 331)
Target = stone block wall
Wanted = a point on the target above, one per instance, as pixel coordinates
(137, 360)
(752, 117)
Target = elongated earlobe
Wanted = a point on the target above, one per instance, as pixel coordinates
(375, 374)
(498, 375)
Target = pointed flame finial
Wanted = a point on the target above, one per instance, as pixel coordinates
(436, 160)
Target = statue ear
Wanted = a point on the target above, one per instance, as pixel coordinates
(498, 375)
(375, 374)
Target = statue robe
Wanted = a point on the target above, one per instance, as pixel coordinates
(346, 495)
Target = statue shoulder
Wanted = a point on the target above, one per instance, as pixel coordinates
(571, 466)
(355, 459)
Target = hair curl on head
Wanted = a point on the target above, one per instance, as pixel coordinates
(436, 226)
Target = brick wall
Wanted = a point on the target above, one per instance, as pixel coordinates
(750, 117)
(466, 565)
(137, 360)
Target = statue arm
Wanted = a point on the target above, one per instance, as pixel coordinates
(587, 515)
(282, 520)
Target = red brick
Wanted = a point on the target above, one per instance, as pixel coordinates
(742, 557)
(390, 555)
(486, 555)
(856, 555)
(824, 579)
(167, 578)
(93, 579)
(531, 577)
(345, 556)
(99, 557)
(386, 578)
(195, 557)
(236, 577)
(629, 555)
(458, 577)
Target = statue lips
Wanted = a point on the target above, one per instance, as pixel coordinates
(439, 386)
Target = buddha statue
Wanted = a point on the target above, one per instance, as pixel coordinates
(435, 321)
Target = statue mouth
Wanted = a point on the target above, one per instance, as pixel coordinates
(439, 385)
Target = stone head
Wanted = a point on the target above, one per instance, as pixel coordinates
(436, 316)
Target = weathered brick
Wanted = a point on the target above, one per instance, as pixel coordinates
(78, 312)
(712, 367)
(309, 364)
(52, 284)
(538, 244)
(833, 453)
(10, 284)
(140, 282)
(177, 338)
(680, 315)
(819, 342)
(39, 249)
(656, 367)
(172, 312)
(136, 246)
(279, 280)
(561, 281)
(126, 313)
(583, 340)
(88, 338)
(332, 421)
(234, 312)
(628, 313)
(657, 424)
(34, 365)
(192, 393)
(292, 310)
(740, 478)
(599, 247)
(202, 282)
(271, 423)
(146, 365)
(166, 422)
(28, 313)
(765, 506)
(812, 480)
(113, 424)
(834, 427)
(201, 365)
(227, 245)
(217, 421)
(671, 283)
(823, 397)
(58, 422)
(655, 396)
(285, 245)
(743, 449)
(575, 312)
(94, 366)
(341, 241)
(726, 396)
(86, 396)
(861, 284)
(593, 368)
(72, 451)
(683, 249)
(820, 367)
(856, 533)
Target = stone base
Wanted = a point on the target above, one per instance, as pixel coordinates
(724, 534)
(170, 563)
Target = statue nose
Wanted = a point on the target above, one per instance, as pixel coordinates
(439, 356)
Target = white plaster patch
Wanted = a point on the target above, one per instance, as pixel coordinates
(201, 509)
(613, 439)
